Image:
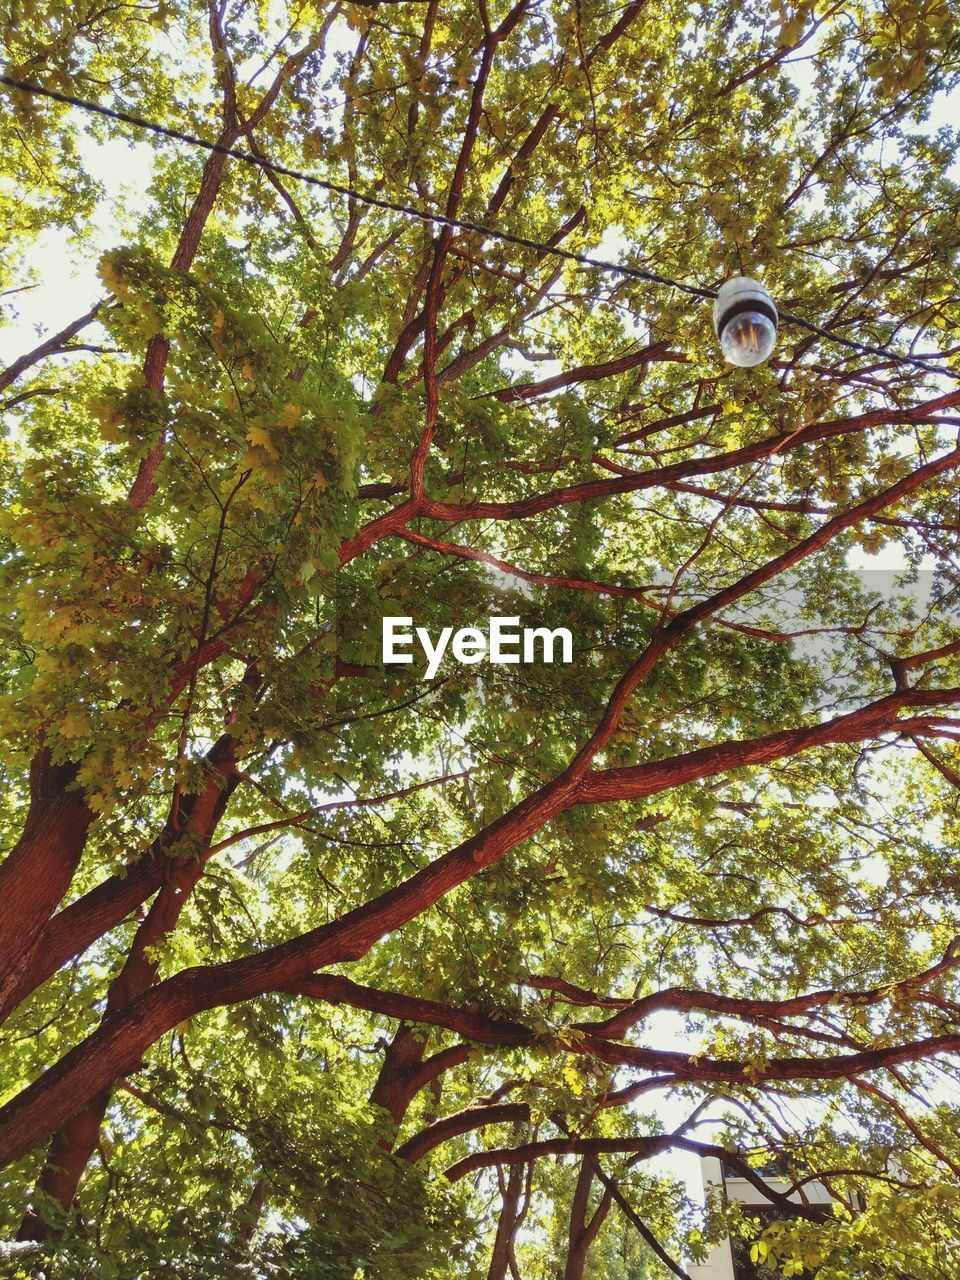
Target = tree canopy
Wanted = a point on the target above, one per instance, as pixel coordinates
(313, 967)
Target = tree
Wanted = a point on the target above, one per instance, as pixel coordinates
(312, 966)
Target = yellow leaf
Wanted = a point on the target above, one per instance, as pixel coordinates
(289, 415)
(260, 436)
(72, 726)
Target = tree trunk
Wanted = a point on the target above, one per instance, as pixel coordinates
(507, 1225)
(248, 1219)
(78, 926)
(38, 870)
(583, 1230)
(73, 1145)
(392, 1089)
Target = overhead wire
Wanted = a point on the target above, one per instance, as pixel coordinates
(460, 224)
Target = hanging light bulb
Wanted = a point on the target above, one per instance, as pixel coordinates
(745, 320)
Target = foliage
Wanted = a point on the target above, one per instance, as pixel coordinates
(313, 967)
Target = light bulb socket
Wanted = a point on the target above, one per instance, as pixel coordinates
(738, 295)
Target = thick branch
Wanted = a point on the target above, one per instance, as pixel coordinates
(50, 346)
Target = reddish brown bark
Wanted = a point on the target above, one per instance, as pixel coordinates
(552, 111)
(158, 349)
(56, 827)
(335, 989)
(115, 1049)
(613, 784)
(355, 211)
(403, 1055)
(73, 1144)
(671, 475)
(618, 1197)
(66, 1160)
(38, 870)
(50, 346)
(583, 1225)
(426, 322)
(469, 359)
(506, 1223)
(404, 1073)
(591, 490)
(136, 1016)
(586, 373)
(461, 1122)
(493, 1110)
(71, 931)
(485, 1029)
(249, 1216)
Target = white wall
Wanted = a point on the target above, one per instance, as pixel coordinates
(719, 1265)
